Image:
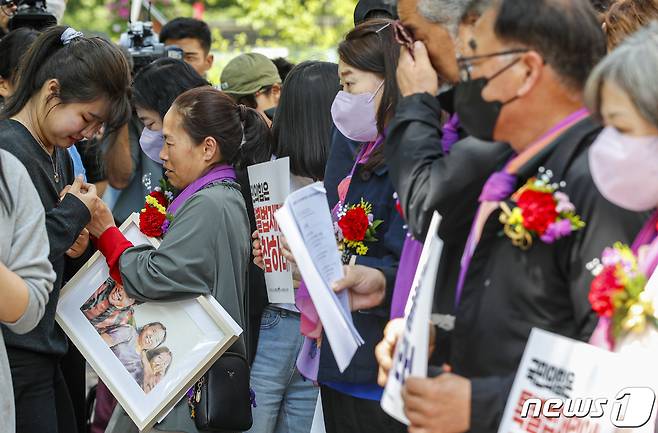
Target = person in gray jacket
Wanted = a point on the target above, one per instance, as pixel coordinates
(206, 248)
(26, 275)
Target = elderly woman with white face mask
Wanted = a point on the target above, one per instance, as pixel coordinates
(624, 166)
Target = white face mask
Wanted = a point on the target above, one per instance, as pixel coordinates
(625, 169)
(151, 143)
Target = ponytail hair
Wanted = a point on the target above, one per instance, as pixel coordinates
(86, 68)
(241, 132)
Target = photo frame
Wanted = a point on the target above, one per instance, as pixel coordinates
(136, 348)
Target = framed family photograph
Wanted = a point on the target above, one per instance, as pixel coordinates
(148, 354)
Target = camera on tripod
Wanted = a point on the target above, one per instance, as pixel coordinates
(29, 13)
(144, 47)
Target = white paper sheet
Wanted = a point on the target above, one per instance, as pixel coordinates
(270, 186)
(411, 352)
(305, 220)
(318, 417)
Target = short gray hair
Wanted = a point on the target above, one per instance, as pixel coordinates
(447, 13)
(632, 66)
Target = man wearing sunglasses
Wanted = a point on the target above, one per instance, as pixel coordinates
(522, 84)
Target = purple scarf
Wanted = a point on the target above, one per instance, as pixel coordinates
(498, 187)
(412, 248)
(217, 173)
(450, 133)
(405, 277)
(647, 234)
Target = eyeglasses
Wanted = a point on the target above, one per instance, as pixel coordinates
(466, 63)
(403, 36)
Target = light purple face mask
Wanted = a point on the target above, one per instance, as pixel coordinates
(151, 143)
(625, 169)
(355, 116)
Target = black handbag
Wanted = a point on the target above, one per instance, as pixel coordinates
(222, 399)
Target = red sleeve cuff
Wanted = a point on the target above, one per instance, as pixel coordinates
(112, 243)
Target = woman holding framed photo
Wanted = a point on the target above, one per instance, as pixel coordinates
(205, 250)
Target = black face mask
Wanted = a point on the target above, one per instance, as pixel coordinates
(477, 116)
(447, 100)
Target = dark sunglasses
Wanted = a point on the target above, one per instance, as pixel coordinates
(403, 36)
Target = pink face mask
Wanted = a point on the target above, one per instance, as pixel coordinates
(355, 115)
(625, 169)
(151, 143)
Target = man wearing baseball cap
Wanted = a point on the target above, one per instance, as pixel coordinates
(253, 80)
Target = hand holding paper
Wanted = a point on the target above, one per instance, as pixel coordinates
(385, 350)
(306, 222)
(366, 286)
(438, 405)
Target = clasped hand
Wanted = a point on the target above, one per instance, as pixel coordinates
(101, 216)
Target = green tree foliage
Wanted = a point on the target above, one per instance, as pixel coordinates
(299, 23)
(296, 24)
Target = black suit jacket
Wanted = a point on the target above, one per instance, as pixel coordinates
(427, 179)
(509, 291)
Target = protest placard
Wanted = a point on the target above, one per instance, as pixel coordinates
(564, 385)
(270, 185)
(411, 352)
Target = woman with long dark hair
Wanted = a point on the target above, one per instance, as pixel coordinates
(361, 112)
(302, 129)
(69, 86)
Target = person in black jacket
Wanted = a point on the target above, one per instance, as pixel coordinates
(69, 87)
(522, 84)
(436, 183)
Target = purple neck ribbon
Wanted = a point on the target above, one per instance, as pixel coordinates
(450, 133)
(217, 173)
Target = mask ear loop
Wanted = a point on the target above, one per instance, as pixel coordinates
(513, 98)
(376, 91)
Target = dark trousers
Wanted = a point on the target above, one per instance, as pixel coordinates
(43, 403)
(346, 414)
(73, 366)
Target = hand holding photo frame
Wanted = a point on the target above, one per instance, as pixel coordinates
(136, 348)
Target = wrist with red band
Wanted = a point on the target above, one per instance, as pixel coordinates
(112, 243)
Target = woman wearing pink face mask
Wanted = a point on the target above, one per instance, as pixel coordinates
(361, 111)
(624, 158)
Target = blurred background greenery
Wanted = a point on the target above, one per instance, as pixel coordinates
(295, 29)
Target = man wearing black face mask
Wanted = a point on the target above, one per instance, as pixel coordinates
(524, 261)
(430, 171)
